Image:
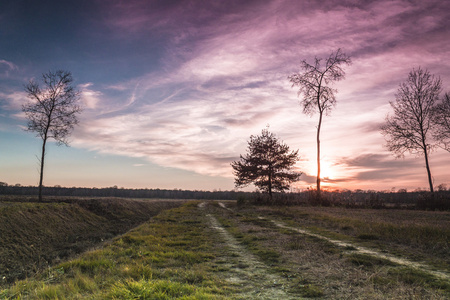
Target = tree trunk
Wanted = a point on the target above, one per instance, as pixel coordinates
(427, 164)
(41, 178)
(430, 180)
(318, 153)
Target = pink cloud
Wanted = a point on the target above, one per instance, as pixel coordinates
(226, 79)
(89, 96)
(14, 100)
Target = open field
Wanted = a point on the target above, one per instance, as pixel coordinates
(216, 250)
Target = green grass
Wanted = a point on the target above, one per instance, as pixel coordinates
(155, 289)
(36, 235)
(160, 259)
(251, 241)
(177, 255)
(312, 291)
(306, 289)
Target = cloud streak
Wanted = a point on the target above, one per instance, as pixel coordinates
(230, 80)
(6, 66)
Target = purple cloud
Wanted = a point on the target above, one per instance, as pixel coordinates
(216, 72)
(226, 79)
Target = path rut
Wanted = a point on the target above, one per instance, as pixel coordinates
(246, 270)
(362, 250)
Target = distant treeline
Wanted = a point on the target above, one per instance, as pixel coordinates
(440, 200)
(119, 192)
(359, 198)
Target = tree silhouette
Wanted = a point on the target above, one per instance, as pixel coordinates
(411, 127)
(267, 164)
(442, 121)
(313, 82)
(52, 111)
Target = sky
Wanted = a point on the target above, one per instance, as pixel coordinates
(173, 90)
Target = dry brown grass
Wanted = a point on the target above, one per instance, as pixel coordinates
(335, 270)
(419, 235)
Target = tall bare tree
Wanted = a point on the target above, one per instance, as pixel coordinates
(267, 164)
(313, 81)
(442, 121)
(52, 111)
(410, 128)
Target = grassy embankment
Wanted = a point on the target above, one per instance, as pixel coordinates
(36, 235)
(165, 258)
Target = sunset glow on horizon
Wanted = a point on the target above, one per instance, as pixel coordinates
(173, 90)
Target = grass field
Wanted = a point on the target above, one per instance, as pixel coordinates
(216, 250)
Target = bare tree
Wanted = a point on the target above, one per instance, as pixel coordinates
(442, 121)
(52, 111)
(268, 164)
(313, 82)
(411, 127)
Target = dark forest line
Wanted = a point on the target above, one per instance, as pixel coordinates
(347, 198)
(119, 192)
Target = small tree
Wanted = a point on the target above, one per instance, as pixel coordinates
(411, 127)
(267, 164)
(441, 120)
(313, 82)
(52, 112)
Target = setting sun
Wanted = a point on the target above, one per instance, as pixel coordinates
(326, 170)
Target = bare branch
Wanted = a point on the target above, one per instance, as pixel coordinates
(442, 122)
(411, 126)
(53, 113)
(313, 83)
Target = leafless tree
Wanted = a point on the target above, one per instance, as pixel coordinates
(442, 121)
(52, 111)
(411, 127)
(314, 83)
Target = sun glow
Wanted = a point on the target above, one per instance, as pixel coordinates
(327, 170)
(331, 174)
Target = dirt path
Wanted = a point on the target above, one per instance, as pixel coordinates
(253, 277)
(362, 250)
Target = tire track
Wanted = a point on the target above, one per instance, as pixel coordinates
(367, 251)
(362, 250)
(246, 270)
